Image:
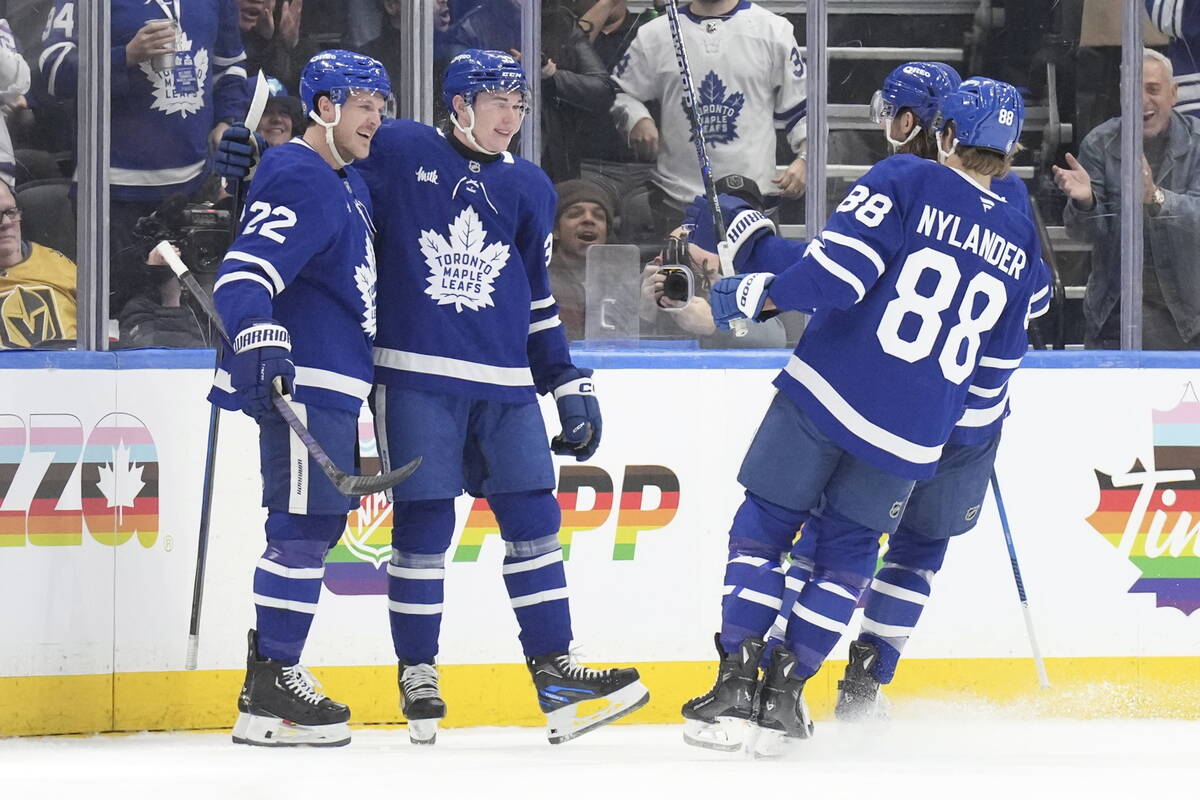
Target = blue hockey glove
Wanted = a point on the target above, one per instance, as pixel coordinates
(237, 153)
(739, 297)
(579, 413)
(261, 359)
(743, 226)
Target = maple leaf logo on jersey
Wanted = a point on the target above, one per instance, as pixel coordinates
(166, 99)
(364, 281)
(718, 114)
(463, 267)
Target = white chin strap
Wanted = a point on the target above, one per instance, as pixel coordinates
(945, 154)
(329, 126)
(469, 132)
(896, 145)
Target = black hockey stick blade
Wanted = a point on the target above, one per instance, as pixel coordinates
(344, 482)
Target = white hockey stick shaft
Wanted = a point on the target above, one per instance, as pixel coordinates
(1038, 663)
(691, 106)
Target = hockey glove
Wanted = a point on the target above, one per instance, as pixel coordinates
(743, 227)
(739, 297)
(579, 414)
(237, 153)
(261, 362)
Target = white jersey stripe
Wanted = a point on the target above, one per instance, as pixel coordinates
(858, 245)
(1000, 363)
(333, 381)
(552, 322)
(261, 263)
(241, 275)
(452, 368)
(855, 422)
(817, 249)
(545, 302)
(981, 417)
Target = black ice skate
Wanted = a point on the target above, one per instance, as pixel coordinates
(782, 716)
(577, 699)
(280, 707)
(717, 720)
(859, 698)
(420, 701)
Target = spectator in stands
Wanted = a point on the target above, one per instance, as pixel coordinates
(37, 287)
(161, 318)
(1180, 20)
(271, 34)
(748, 73)
(389, 47)
(1171, 212)
(605, 155)
(14, 83)
(283, 116)
(173, 95)
(584, 217)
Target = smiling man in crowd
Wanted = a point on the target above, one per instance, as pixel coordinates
(584, 217)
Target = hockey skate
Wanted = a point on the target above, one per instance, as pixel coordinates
(577, 699)
(859, 698)
(782, 716)
(420, 701)
(718, 720)
(280, 706)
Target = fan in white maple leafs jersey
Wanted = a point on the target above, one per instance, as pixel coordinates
(749, 78)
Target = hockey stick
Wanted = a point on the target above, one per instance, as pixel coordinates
(257, 105)
(347, 484)
(691, 106)
(1040, 665)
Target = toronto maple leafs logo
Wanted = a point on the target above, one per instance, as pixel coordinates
(718, 113)
(187, 100)
(462, 266)
(364, 281)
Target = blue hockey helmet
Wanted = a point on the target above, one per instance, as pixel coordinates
(986, 113)
(919, 86)
(475, 71)
(338, 73)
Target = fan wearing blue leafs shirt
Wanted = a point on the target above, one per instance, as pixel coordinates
(297, 291)
(922, 279)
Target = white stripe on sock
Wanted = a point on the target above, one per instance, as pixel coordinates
(424, 609)
(898, 592)
(539, 597)
(544, 560)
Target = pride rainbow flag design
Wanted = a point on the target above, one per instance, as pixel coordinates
(1153, 517)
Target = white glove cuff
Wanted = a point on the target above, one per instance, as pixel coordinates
(262, 334)
(750, 294)
(577, 386)
(743, 226)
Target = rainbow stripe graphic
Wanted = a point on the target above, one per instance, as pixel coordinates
(120, 481)
(1153, 517)
(358, 564)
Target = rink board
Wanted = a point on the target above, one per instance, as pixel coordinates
(101, 462)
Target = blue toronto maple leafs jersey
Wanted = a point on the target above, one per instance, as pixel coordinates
(160, 120)
(305, 258)
(749, 78)
(464, 244)
(922, 283)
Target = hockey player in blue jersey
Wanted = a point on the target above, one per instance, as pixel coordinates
(946, 504)
(469, 335)
(297, 290)
(923, 279)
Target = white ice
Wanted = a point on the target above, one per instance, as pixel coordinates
(942, 753)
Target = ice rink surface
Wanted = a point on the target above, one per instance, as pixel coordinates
(930, 753)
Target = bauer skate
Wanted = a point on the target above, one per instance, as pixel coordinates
(420, 701)
(782, 716)
(577, 699)
(718, 720)
(859, 698)
(280, 706)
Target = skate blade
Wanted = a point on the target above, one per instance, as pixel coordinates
(727, 734)
(767, 743)
(877, 711)
(274, 732)
(422, 731)
(574, 720)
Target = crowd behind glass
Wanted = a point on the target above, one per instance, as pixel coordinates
(612, 143)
